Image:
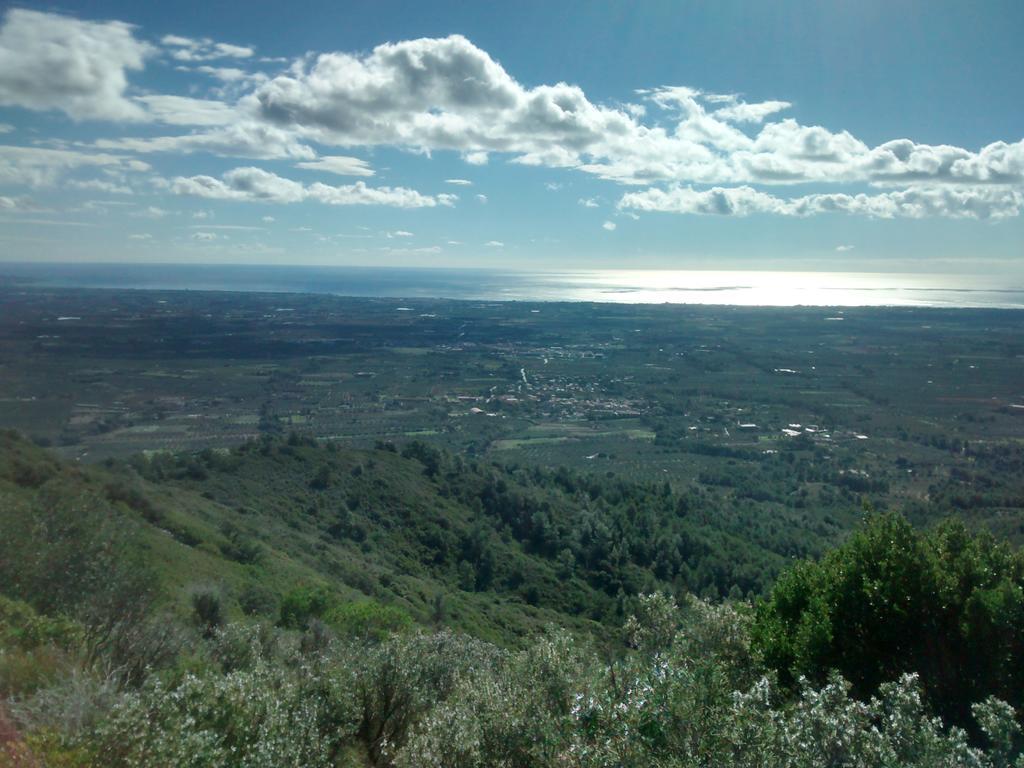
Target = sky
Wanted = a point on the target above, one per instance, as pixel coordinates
(832, 135)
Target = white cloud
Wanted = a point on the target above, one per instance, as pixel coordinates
(232, 75)
(399, 233)
(246, 138)
(609, 226)
(494, 244)
(38, 167)
(100, 185)
(750, 113)
(19, 205)
(143, 236)
(552, 186)
(482, 199)
(202, 214)
(204, 237)
(267, 219)
(844, 248)
(6, 128)
(228, 227)
(257, 185)
(340, 165)
(151, 212)
(979, 202)
(459, 182)
(686, 150)
(424, 251)
(182, 110)
(49, 61)
(434, 94)
(203, 49)
(437, 94)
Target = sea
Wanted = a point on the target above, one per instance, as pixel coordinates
(736, 288)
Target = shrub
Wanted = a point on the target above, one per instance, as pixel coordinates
(302, 604)
(207, 610)
(367, 619)
(257, 600)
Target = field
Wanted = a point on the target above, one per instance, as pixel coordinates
(757, 408)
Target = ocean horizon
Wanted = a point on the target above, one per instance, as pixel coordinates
(706, 287)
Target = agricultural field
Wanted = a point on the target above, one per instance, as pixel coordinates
(756, 408)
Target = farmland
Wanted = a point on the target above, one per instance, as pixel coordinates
(768, 408)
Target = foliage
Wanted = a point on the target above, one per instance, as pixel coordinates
(302, 604)
(367, 619)
(97, 674)
(946, 604)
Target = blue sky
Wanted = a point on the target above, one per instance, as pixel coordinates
(879, 136)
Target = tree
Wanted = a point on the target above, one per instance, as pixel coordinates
(946, 604)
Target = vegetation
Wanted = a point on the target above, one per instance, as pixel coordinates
(946, 605)
(200, 618)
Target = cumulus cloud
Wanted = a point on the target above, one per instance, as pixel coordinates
(684, 150)
(482, 199)
(588, 202)
(340, 165)
(48, 61)
(437, 94)
(916, 202)
(609, 226)
(844, 248)
(494, 244)
(459, 182)
(258, 185)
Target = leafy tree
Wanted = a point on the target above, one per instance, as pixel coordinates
(946, 604)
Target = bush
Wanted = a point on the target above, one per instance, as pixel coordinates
(302, 604)
(207, 611)
(22, 627)
(367, 619)
(257, 600)
(260, 718)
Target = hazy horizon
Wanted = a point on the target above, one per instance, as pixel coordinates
(708, 287)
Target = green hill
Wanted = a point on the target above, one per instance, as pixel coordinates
(495, 552)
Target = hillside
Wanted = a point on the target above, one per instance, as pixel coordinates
(492, 551)
(259, 607)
